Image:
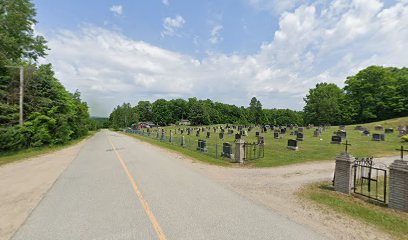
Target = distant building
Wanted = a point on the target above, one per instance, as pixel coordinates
(184, 122)
(146, 125)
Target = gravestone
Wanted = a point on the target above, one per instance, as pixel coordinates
(188, 132)
(202, 146)
(227, 150)
(221, 135)
(366, 133)
(261, 140)
(244, 133)
(341, 134)
(276, 135)
(378, 137)
(342, 127)
(257, 134)
(335, 140)
(171, 137)
(292, 133)
(283, 131)
(378, 128)
(300, 130)
(389, 130)
(358, 128)
(198, 133)
(208, 134)
(299, 137)
(293, 144)
(237, 136)
(316, 133)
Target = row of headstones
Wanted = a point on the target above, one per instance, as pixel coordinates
(402, 131)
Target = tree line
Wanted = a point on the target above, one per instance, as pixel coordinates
(52, 115)
(200, 112)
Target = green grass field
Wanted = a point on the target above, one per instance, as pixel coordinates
(311, 149)
(8, 157)
(379, 216)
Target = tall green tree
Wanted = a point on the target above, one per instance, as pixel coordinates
(161, 113)
(255, 111)
(324, 104)
(144, 111)
(374, 94)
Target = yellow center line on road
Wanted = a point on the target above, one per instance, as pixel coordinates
(139, 195)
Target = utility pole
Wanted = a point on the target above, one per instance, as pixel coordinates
(21, 94)
(21, 91)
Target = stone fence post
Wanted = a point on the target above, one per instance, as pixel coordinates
(399, 185)
(343, 173)
(239, 151)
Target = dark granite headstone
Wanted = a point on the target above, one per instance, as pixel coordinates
(378, 137)
(389, 130)
(335, 140)
(226, 150)
(299, 137)
(221, 135)
(292, 144)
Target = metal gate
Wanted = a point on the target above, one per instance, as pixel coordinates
(370, 181)
(254, 151)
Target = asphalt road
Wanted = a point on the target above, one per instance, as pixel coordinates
(118, 188)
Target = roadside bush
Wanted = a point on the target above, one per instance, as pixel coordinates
(405, 138)
(11, 138)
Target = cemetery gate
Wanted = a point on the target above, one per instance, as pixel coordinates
(370, 181)
(254, 151)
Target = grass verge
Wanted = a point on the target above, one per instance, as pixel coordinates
(393, 222)
(187, 152)
(13, 156)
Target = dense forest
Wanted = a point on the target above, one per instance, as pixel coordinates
(52, 115)
(374, 94)
(200, 112)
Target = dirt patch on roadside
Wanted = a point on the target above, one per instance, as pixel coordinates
(277, 188)
(23, 184)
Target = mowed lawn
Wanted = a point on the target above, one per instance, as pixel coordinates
(311, 149)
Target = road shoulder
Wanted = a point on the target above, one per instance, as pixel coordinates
(23, 184)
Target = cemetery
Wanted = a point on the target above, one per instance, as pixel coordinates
(281, 146)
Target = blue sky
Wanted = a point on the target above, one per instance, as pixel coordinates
(229, 51)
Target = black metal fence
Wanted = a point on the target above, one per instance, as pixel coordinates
(203, 146)
(254, 151)
(370, 181)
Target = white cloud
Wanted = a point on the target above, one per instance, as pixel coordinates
(275, 6)
(166, 2)
(311, 45)
(171, 25)
(117, 9)
(215, 34)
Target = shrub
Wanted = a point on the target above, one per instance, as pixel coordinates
(405, 138)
